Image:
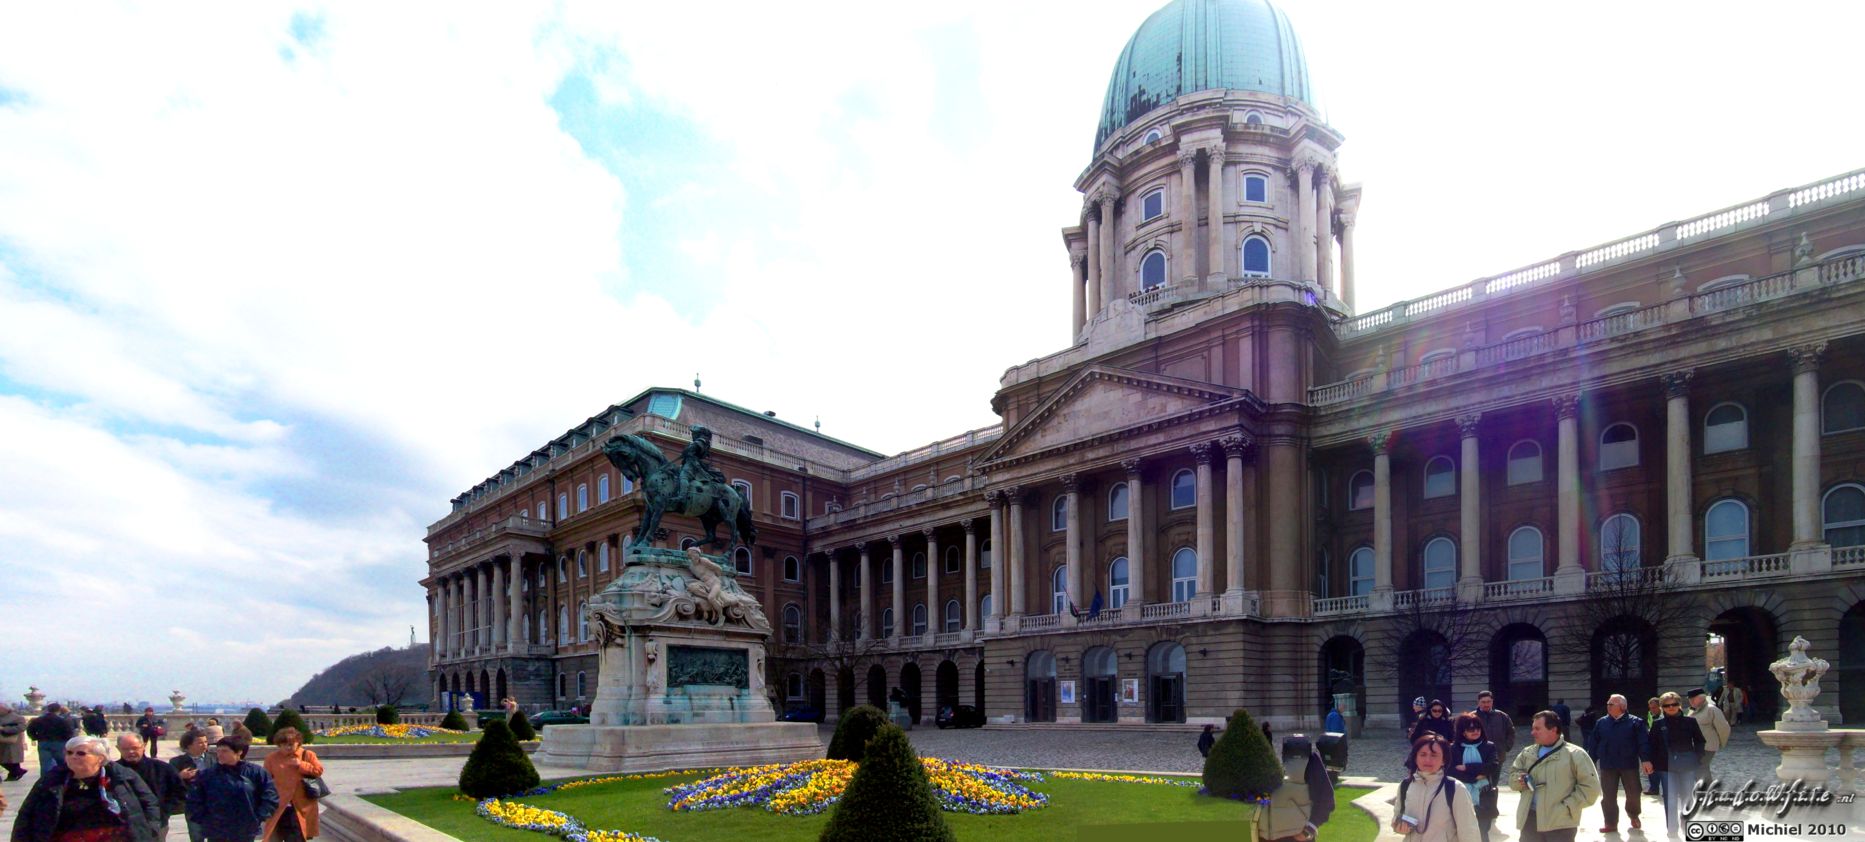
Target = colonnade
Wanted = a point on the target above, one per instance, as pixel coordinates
(479, 608)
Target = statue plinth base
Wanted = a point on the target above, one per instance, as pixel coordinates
(658, 748)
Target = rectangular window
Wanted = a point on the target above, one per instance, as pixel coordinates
(582, 497)
(1153, 205)
(1255, 188)
(1182, 589)
(563, 506)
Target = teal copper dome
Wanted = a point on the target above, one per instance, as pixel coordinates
(1202, 45)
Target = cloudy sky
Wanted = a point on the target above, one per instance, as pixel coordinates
(276, 281)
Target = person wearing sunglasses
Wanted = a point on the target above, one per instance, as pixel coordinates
(1476, 763)
(88, 798)
(1674, 752)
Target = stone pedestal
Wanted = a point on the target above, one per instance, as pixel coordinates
(175, 698)
(35, 701)
(656, 748)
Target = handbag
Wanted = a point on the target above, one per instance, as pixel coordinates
(315, 788)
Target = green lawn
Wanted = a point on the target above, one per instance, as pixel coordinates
(358, 739)
(639, 807)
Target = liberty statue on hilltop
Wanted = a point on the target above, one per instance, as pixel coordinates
(693, 487)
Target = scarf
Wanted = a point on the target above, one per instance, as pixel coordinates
(1473, 756)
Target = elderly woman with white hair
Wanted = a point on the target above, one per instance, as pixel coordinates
(88, 799)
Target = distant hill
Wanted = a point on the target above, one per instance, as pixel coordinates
(390, 674)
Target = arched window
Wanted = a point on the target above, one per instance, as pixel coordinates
(1725, 531)
(602, 488)
(1619, 540)
(1440, 477)
(744, 490)
(793, 624)
(582, 564)
(1843, 515)
(1153, 270)
(602, 556)
(582, 684)
(1058, 514)
(791, 505)
(563, 685)
(543, 626)
(741, 560)
(1725, 428)
(1117, 502)
(1618, 447)
(1440, 563)
(1058, 587)
(1117, 583)
(1843, 407)
(582, 496)
(1153, 204)
(952, 563)
(1524, 462)
(563, 623)
(1184, 574)
(984, 555)
(1525, 560)
(563, 569)
(688, 543)
(887, 572)
(563, 506)
(1255, 188)
(984, 606)
(1151, 136)
(887, 622)
(793, 569)
(540, 512)
(1184, 490)
(1360, 571)
(1360, 491)
(919, 565)
(953, 621)
(919, 619)
(582, 627)
(1253, 119)
(1256, 256)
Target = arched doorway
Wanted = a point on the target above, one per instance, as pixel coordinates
(910, 686)
(1424, 669)
(819, 691)
(1099, 670)
(1518, 671)
(844, 690)
(1343, 670)
(1749, 643)
(1039, 687)
(1851, 665)
(503, 691)
(1165, 682)
(945, 687)
(977, 687)
(877, 686)
(1624, 660)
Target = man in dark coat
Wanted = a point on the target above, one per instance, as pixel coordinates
(1565, 713)
(95, 723)
(234, 798)
(1618, 745)
(151, 728)
(170, 791)
(194, 759)
(50, 731)
(1674, 751)
(88, 791)
(1498, 728)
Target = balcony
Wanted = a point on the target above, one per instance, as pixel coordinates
(1515, 589)
(514, 526)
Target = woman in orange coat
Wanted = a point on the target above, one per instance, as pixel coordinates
(296, 818)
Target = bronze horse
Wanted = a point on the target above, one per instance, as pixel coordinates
(666, 491)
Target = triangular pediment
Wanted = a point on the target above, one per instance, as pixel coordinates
(1102, 401)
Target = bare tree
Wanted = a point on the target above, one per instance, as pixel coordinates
(387, 684)
(1619, 620)
(1428, 643)
(846, 650)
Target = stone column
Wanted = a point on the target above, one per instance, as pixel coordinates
(866, 632)
(1469, 502)
(1071, 539)
(1567, 477)
(935, 611)
(1305, 219)
(999, 553)
(458, 641)
(485, 588)
(498, 605)
(835, 597)
(971, 573)
(515, 598)
(1207, 520)
(1078, 286)
(1214, 191)
(1382, 510)
(1187, 212)
(1324, 228)
(1092, 266)
(1137, 576)
(1806, 476)
(1346, 259)
(902, 623)
(443, 624)
(1677, 456)
(1110, 277)
(1236, 448)
(1013, 551)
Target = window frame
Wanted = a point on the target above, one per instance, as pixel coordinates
(1746, 537)
(1354, 577)
(582, 497)
(1827, 526)
(744, 488)
(1826, 395)
(916, 566)
(1425, 571)
(563, 505)
(1510, 460)
(951, 562)
(1449, 474)
(984, 554)
(1165, 269)
(1742, 434)
(1262, 181)
(1119, 581)
(742, 554)
(1160, 194)
(602, 489)
(1058, 514)
(1119, 491)
(1512, 561)
(1611, 560)
(1631, 446)
(1058, 594)
(1243, 254)
(1184, 585)
(793, 569)
(791, 506)
(1372, 490)
(602, 556)
(1172, 490)
(887, 622)
(792, 629)
(920, 621)
(952, 617)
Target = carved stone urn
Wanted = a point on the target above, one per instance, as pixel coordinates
(35, 701)
(175, 698)
(1800, 683)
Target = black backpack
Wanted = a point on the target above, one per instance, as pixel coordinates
(1443, 786)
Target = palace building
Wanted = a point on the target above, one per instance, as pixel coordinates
(1609, 470)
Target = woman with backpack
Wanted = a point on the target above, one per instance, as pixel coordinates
(1432, 805)
(1475, 762)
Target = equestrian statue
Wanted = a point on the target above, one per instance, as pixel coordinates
(691, 487)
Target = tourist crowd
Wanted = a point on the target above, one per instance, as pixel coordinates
(83, 795)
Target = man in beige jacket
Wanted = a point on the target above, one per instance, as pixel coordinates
(1715, 727)
(1557, 781)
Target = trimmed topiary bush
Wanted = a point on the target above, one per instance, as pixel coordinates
(858, 725)
(889, 797)
(258, 723)
(521, 727)
(289, 718)
(1242, 763)
(498, 766)
(455, 722)
(388, 715)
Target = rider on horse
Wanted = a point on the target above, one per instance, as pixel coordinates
(695, 465)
